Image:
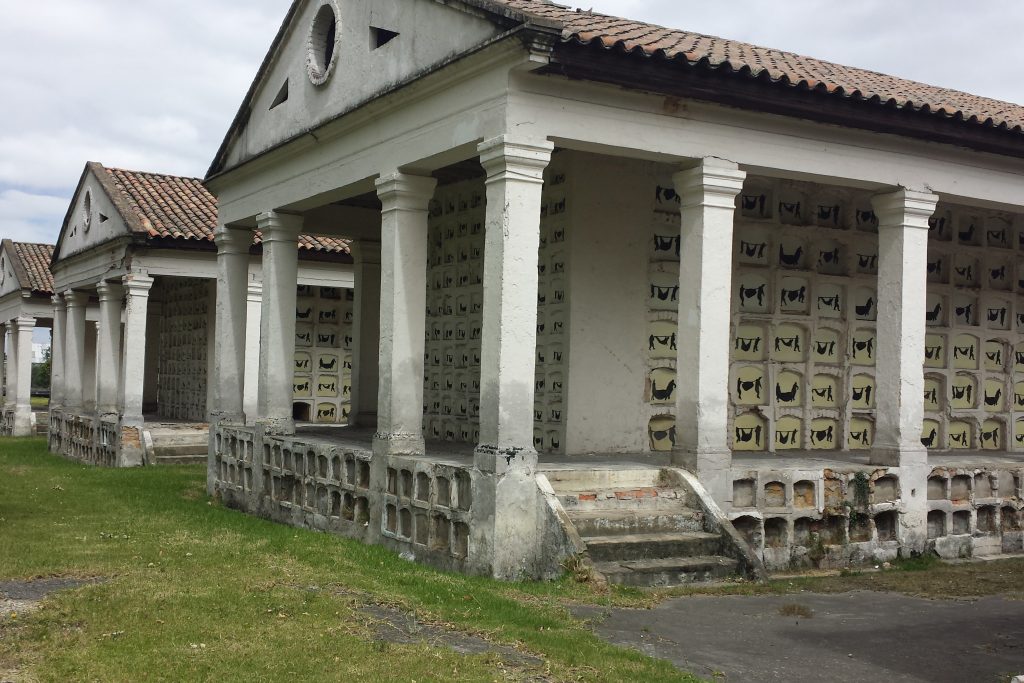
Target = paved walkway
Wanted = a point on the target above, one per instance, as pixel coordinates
(849, 637)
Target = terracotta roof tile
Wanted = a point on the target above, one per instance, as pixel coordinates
(782, 67)
(176, 207)
(35, 266)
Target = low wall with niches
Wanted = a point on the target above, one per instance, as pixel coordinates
(855, 515)
(85, 438)
(440, 513)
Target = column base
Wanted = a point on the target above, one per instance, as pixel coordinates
(713, 469)
(500, 459)
(226, 418)
(277, 426)
(23, 425)
(398, 444)
(895, 456)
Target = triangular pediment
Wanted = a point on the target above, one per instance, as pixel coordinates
(93, 218)
(9, 280)
(308, 80)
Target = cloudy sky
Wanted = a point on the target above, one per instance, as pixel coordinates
(152, 85)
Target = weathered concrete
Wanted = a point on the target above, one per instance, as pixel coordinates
(231, 317)
(850, 638)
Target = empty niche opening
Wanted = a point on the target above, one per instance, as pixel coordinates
(986, 523)
(860, 528)
(422, 528)
(379, 37)
(936, 524)
(322, 500)
(461, 533)
(1009, 519)
(391, 518)
(362, 512)
(348, 510)
(775, 532)
(743, 493)
(833, 530)
(464, 490)
(775, 494)
(364, 474)
(936, 488)
(960, 488)
(405, 523)
(1005, 486)
(440, 532)
(422, 486)
(803, 494)
(962, 522)
(885, 525)
(335, 504)
(750, 528)
(301, 411)
(281, 97)
(885, 489)
(982, 485)
(802, 529)
(444, 495)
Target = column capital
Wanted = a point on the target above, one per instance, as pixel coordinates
(137, 284)
(109, 291)
(74, 298)
(58, 302)
(399, 191)
(904, 208)
(506, 157)
(24, 322)
(712, 182)
(275, 226)
(365, 251)
(232, 240)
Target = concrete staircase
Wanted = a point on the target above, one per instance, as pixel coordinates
(42, 418)
(642, 529)
(171, 444)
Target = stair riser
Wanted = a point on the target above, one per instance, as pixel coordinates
(179, 451)
(650, 505)
(654, 523)
(651, 550)
(667, 578)
(180, 460)
(606, 479)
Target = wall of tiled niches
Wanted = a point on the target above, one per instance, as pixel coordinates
(974, 349)
(451, 392)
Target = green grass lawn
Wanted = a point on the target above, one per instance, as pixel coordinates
(194, 591)
(40, 402)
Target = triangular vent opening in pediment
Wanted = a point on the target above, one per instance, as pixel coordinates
(281, 97)
(379, 37)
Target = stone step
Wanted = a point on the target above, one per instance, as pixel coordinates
(631, 521)
(179, 459)
(669, 571)
(650, 498)
(602, 477)
(165, 450)
(651, 546)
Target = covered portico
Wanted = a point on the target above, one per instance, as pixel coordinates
(25, 290)
(559, 227)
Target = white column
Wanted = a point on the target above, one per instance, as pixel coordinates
(108, 348)
(708, 203)
(365, 333)
(254, 304)
(230, 326)
(5, 365)
(515, 179)
(74, 351)
(277, 323)
(24, 325)
(403, 301)
(902, 302)
(57, 353)
(90, 371)
(11, 376)
(136, 287)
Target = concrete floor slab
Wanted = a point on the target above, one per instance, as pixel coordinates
(849, 637)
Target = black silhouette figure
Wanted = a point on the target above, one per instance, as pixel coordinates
(743, 386)
(794, 295)
(822, 435)
(753, 249)
(862, 394)
(662, 394)
(750, 293)
(933, 315)
(790, 259)
(864, 309)
(825, 348)
(966, 352)
(994, 399)
(792, 343)
(748, 434)
(754, 202)
(867, 261)
(962, 393)
(786, 396)
(929, 441)
(828, 302)
(864, 346)
(748, 344)
(786, 437)
(825, 393)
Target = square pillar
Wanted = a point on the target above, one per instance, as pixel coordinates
(708, 205)
(57, 343)
(902, 303)
(133, 371)
(11, 366)
(280, 238)
(250, 393)
(365, 333)
(23, 326)
(403, 302)
(108, 348)
(74, 352)
(515, 180)
(5, 364)
(230, 325)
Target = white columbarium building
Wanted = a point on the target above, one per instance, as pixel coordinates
(130, 384)
(26, 288)
(680, 303)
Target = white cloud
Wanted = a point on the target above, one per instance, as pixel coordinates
(28, 217)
